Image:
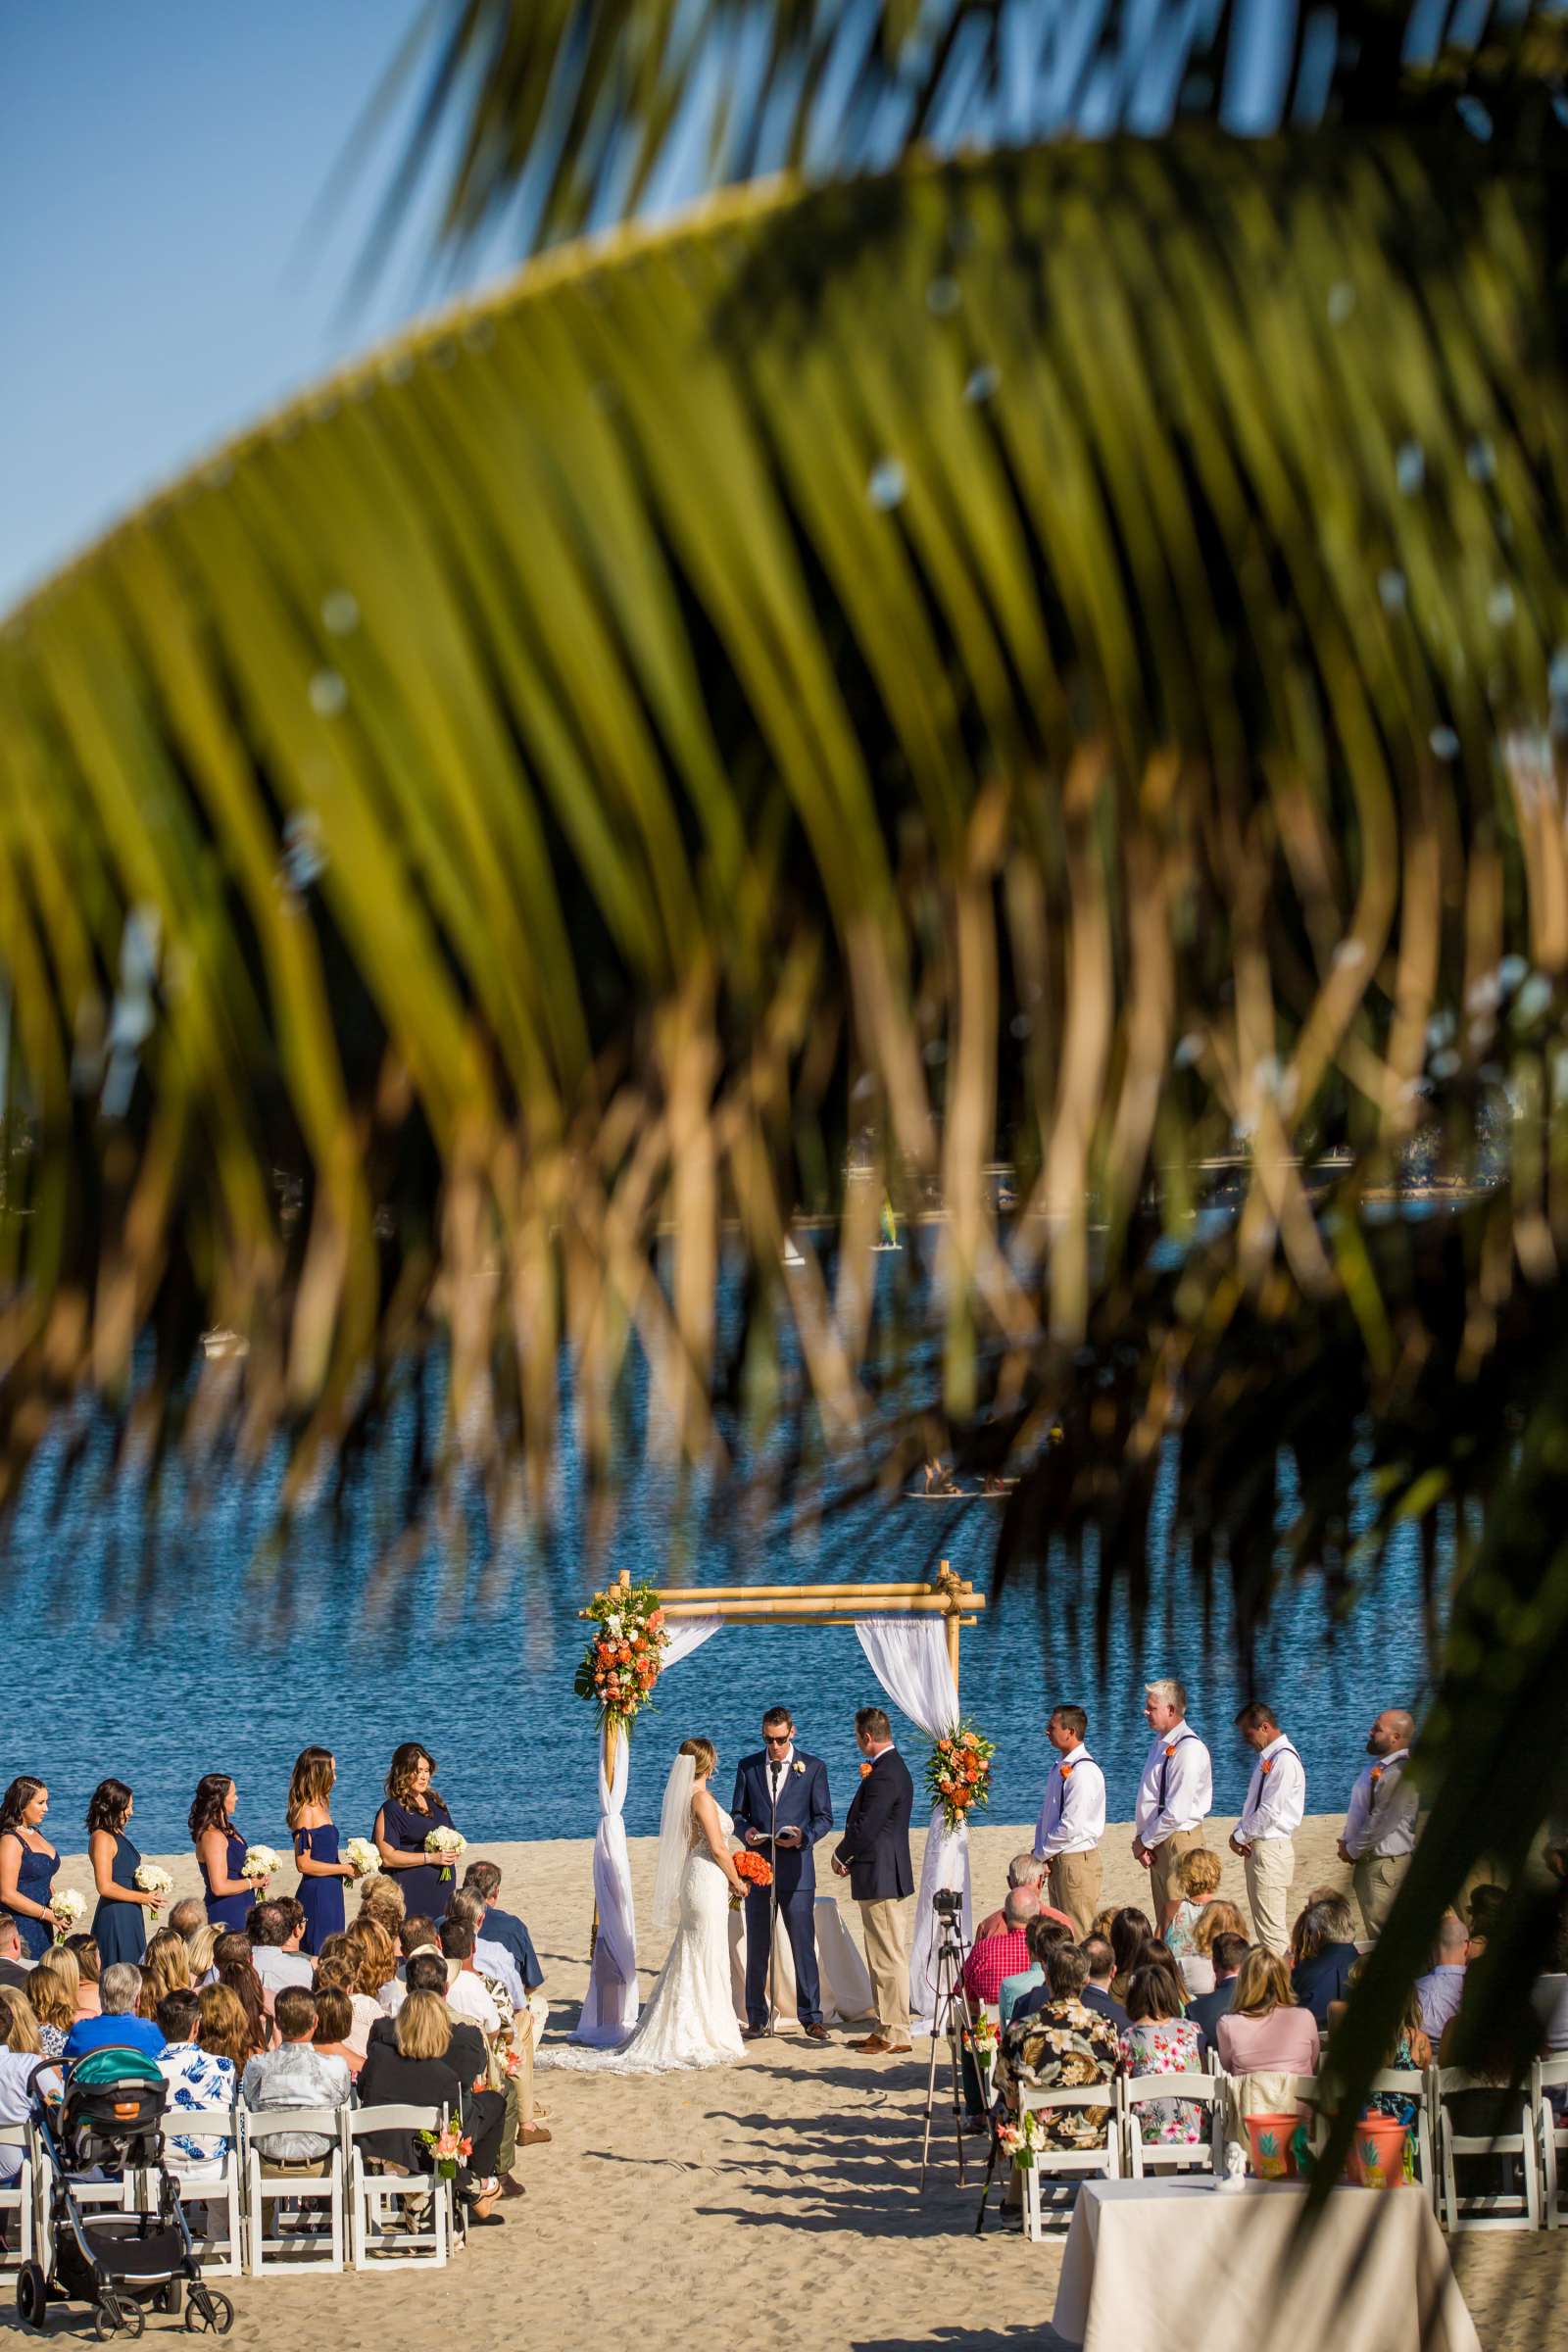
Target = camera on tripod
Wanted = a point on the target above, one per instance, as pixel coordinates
(947, 1903)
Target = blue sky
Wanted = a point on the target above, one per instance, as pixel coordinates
(161, 163)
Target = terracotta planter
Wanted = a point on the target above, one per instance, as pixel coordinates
(1376, 2153)
(1270, 2136)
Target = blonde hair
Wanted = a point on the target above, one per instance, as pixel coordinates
(18, 2023)
(381, 1898)
(1168, 1692)
(166, 1967)
(373, 1954)
(225, 2030)
(424, 2027)
(1263, 1984)
(200, 1946)
(1199, 1872)
(1217, 1918)
(703, 1754)
(53, 1994)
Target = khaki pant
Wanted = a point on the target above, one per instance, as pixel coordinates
(1269, 1867)
(1075, 1887)
(1162, 1884)
(1378, 1878)
(886, 1928)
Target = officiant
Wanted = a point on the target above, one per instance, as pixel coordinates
(781, 1808)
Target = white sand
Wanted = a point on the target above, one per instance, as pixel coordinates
(774, 2203)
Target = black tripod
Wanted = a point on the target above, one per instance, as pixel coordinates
(950, 2011)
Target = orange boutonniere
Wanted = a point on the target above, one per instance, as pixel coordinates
(1171, 1749)
(1377, 1774)
(1067, 1772)
(865, 1772)
(1268, 1766)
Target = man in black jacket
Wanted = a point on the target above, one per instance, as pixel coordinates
(873, 1854)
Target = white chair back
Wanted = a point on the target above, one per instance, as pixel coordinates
(17, 2195)
(212, 2182)
(1144, 2154)
(421, 2202)
(1497, 2208)
(1551, 2136)
(269, 2180)
(1066, 2163)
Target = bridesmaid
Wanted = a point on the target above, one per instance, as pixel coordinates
(118, 1925)
(27, 1862)
(412, 1810)
(220, 1851)
(321, 1874)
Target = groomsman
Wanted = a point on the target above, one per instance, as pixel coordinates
(1379, 1835)
(1265, 1835)
(1072, 1820)
(873, 1854)
(1175, 1793)
(781, 1802)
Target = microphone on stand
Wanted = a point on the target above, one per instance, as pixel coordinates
(775, 1766)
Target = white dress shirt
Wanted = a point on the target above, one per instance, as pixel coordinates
(1177, 1787)
(1381, 1818)
(494, 1960)
(1276, 1794)
(1072, 1819)
(468, 1996)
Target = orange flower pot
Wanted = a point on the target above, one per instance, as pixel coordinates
(1377, 2152)
(1270, 2136)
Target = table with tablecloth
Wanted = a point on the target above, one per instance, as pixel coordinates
(1155, 2262)
(840, 1963)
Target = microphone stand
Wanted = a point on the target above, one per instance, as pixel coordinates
(772, 1907)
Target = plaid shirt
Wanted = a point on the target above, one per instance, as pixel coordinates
(999, 1956)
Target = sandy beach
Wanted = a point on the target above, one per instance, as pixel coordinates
(776, 2200)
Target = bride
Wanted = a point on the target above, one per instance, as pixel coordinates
(690, 2018)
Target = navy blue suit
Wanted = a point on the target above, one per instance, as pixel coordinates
(803, 1803)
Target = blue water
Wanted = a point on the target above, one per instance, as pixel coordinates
(162, 1651)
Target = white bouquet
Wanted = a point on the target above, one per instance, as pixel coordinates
(260, 1862)
(362, 1857)
(65, 1908)
(153, 1882)
(446, 1845)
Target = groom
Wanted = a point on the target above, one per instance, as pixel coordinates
(782, 1790)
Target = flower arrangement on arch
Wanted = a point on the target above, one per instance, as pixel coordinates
(958, 1772)
(625, 1646)
(754, 1870)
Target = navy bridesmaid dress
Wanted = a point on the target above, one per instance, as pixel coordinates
(229, 1911)
(120, 1930)
(35, 1877)
(321, 1899)
(425, 1892)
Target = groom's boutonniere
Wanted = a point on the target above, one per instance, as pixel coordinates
(799, 1768)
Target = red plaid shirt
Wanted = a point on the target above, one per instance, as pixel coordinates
(999, 1956)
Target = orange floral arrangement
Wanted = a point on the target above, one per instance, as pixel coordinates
(958, 1772)
(755, 1870)
(626, 1648)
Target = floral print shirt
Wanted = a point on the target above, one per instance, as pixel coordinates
(1170, 2046)
(1063, 2046)
(196, 2077)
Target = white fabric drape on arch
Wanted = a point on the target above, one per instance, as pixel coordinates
(909, 1655)
(610, 2011)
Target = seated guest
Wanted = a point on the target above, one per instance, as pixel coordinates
(116, 2027)
(275, 1930)
(1264, 2031)
(1006, 1956)
(295, 2074)
(414, 2063)
(52, 1991)
(1410, 2051)
(492, 1959)
(1198, 1875)
(1322, 1953)
(1062, 2046)
(1156, 1954)
(231, 1957)
(334, 2018)
(1438, 1990)
(188, 1914)
(19, 2059)
(1550, 1999)
(1130, 1930)
(225, 2029)
(196, 2077)
(1196, 1967)
(484, 1878)
(1043, 1935)
(471, 2056)
(1159, 2040)
(1482, 1910)
(467, 1993)
(374, 1957)
(1096, 1994)
(381, 1901)
(166, 1969)
(1024, 1871)
(13, 1962)
(415, 1935)
(89, 1968)
(1205, 2009)
(200, 1948)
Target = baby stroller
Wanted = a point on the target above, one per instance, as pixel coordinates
(108, 2121)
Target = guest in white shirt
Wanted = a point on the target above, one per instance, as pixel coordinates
(1264, 1837)
(466, 1995)
(491, 1959)
(1440, 1991)
(274, 1930)
(1072, 1821)
(1380, 1825)
(1175, 1791)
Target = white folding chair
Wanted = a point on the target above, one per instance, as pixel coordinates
(16, 2197)
(377, 2201)
(1143, 2156)
(1551, 2138)
(1496, 2209)
(268, 2182)
(1415, 2083)
(1067, 2165)
(214, 2182)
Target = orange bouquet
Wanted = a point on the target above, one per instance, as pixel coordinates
(754, 1870)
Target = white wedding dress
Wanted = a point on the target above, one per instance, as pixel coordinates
(689, 2018)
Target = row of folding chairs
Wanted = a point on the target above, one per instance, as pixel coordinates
(247, 2212)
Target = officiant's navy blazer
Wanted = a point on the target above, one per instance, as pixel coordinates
(803, 1803)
